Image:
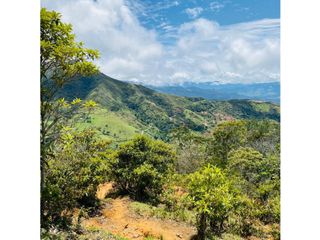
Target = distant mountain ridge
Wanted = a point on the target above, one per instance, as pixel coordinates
(213, 91)
(142, 108)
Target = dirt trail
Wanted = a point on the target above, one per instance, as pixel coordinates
(118, 219)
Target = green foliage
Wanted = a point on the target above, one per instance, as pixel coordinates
(213, 199)
(60, 113)
(142, 165)
(109, 123)
(225, 137)
(191, 148)
(260, 174)
(264, 136)
(89, 233)
(158, 114)
(162, 212)
(247, 163)
(258, 177)
(261, 135)
(62, 59)
(79, 165)
(243, 218)
(242, 196)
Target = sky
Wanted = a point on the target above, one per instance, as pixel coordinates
(169, 42)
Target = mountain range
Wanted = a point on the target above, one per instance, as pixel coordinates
(126, 109)
(254, 91)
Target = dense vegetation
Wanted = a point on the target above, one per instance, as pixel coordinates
(217, 166)
(158, 114)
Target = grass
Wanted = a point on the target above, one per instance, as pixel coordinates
(162, 212)
(89, 233)
(228, 236)
(97, 234)
(196, 118)
(110, 125)
(94, 233)
(261, 106)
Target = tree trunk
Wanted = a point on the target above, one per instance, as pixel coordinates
(42, 169)
(202, 226)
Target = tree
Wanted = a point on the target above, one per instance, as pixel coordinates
(62, 59)
(225, 137)
(247, 163)
(142, 166)
(263, 135)
(212, 196)
(79, 165)
(255, 169)
(259, 178)
(191, 153)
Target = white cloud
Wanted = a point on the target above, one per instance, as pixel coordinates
(194, 12)
(216, 6)
(202, 51)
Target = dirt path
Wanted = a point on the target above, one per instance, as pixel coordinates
(118, 219)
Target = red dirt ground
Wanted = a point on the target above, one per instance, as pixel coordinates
(118, 219)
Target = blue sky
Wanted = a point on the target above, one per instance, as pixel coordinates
(175, 12)
(174, 41)
(167, 15)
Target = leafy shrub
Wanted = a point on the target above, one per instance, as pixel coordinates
(74, 172)
(270, 212)
(243, 218)
(213, 198)
(141, 167)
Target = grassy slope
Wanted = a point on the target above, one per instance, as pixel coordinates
(126, 109)
(111, 126)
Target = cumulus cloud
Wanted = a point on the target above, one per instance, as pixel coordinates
(202, 50)
(194, 12)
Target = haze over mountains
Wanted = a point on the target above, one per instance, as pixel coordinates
(255, 91)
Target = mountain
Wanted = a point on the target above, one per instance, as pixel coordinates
(127, 108)
(255, 91)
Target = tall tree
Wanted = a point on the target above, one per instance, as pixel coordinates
(62, 60)
(226, 137)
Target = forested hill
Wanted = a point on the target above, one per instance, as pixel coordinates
(144, 108)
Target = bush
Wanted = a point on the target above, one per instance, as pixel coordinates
(243, 218)
(270, 212)
(142, 166)
(74, 172)
(213, 199)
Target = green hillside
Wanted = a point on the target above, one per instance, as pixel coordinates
(131, 108)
